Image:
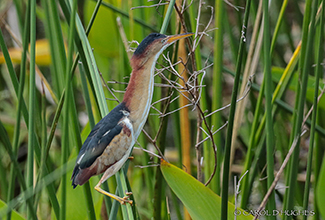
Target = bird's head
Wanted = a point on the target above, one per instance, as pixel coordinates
(152, 46)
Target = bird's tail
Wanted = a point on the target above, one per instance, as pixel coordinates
(80, 176)
(74, 175)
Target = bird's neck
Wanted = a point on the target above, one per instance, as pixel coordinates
(138, 95)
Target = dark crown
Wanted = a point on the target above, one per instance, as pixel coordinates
(147, 41)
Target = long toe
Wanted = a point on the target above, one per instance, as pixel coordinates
(126, 199)
(128, 193)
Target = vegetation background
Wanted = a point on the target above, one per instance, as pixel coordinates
(239, 106)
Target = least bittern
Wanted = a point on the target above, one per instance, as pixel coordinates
(110, 142)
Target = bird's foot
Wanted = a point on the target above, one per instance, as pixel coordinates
(122, 201)
(130, 157)
(126, 199)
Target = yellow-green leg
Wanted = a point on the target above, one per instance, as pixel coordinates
(123, 200)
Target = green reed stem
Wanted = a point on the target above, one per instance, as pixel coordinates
(20, 103)
(225, 177)
(32, 94)
(66, 112)
(268, 105)
(319, 70)
(304, 66)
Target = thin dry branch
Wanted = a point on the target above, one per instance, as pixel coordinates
(237, 187)
(233, 6)
(123, 36)
(194, 94)
(106, 86)
(153, 141)
(199, 35)
(176, 110)
(248, 87)
(163, 99)
(154, 108)
(4, 12)
(213, 133)
(148, 151)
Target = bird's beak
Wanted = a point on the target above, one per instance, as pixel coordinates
(173, 38)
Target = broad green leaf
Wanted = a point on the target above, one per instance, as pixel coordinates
(15, 215)
(320, 191)
(200, 201)
(277, 73)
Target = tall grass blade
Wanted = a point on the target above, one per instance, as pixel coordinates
(20, 103)
(217, 93)
(304, 67)
(278, 25)
(268, 106)
(56, 42)
(250, 68)
(32, 94)
(318, 71)
(165, 24)
(225, 177)
(66, 111)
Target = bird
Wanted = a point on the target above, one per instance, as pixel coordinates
(110, 142)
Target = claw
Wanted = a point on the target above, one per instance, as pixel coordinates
(128, 193)
(126, 199)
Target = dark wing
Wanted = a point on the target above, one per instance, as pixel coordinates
(99, 138)
(96, 144)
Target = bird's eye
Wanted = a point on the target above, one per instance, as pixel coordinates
(163, 41)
